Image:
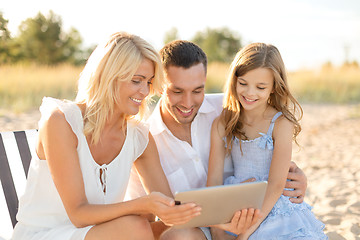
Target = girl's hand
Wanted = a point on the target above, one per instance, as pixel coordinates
(241, 221)
(298, 183)
(170, 214)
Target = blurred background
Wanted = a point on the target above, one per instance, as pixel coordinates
(45, 44)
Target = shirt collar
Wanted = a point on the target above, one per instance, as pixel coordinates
(155, 121)
(206, 107)
(157, 125)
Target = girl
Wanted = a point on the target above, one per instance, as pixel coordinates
(256, 127)
(86, 148)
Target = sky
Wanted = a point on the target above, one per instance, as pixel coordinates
(308, 33)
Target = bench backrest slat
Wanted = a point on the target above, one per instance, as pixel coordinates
(7, 183)
(24, 150)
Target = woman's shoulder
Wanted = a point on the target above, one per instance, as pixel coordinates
(54, 127)
(138, 133)
(51, 111)
(56, 122)
(137, 124)
(53, 117)
(138, 128)
(51, 105)
(58, 114)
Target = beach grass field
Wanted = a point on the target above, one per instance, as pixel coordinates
(23, 86)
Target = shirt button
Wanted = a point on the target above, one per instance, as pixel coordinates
(197, 159)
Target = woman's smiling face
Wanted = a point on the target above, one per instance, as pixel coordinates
(133, 92)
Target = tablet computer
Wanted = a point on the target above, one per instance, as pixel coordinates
(219, 203)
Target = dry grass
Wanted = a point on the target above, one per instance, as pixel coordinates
(216, 77)
(328, 85)
(23, 86)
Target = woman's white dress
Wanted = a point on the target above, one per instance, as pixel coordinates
(41, 214)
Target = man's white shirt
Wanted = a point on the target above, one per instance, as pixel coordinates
(185, 166)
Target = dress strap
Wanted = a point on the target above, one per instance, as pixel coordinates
(272, 123)
(266, 140)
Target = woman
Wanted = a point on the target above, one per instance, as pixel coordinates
(86, 148)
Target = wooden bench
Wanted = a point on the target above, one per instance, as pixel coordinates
(15, 157)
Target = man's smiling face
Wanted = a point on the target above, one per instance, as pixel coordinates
(184, 93)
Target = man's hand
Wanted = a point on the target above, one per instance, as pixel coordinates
(298, 182)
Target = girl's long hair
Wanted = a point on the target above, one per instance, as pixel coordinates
(253, 56)
(115, 61)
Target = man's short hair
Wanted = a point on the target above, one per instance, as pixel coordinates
(181, 53)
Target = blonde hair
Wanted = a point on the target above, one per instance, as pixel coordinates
(115, 61)
(253, 56)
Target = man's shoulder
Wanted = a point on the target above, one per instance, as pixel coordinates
(215, 100)
(214, 96)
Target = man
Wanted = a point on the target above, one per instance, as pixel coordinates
(181, 126)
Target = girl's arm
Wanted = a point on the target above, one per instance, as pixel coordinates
(57, 144)
(217, 154)
(243, 219)
(216, 165)
(282, 135)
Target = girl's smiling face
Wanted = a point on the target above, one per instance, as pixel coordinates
(255, 87)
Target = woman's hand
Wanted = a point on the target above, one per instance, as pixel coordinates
(241, 221)
(298, 182)
(164, 208)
